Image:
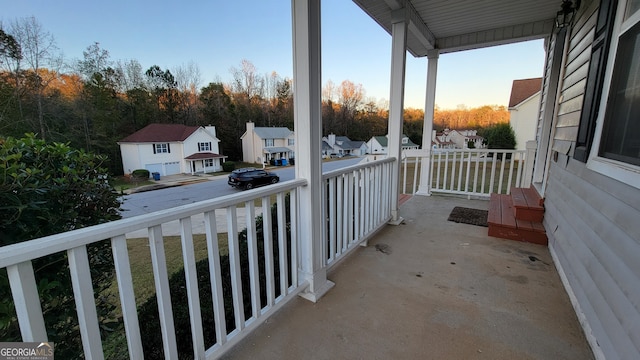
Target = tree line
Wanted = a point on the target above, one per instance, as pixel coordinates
(94, 102)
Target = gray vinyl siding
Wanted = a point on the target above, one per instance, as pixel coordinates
(592, 224)
(593, 221)
(574, 80)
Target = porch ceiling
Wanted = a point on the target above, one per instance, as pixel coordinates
(456, 25)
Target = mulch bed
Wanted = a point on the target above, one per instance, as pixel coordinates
(469, 216)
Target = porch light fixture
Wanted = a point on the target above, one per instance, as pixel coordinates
(564, 17)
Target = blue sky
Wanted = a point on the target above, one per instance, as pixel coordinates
(218, 35)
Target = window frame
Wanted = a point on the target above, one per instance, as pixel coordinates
(210, 161)
(205, 146)
(269, 141)
(161, 148)
(619, 170)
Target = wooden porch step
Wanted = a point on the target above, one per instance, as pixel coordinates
(527, 204)
(503, 223)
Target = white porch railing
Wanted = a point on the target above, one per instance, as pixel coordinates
(469, 172)
(357, 203)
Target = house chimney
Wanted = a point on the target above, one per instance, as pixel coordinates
(250, 126)
(211, 129)
(331, 139)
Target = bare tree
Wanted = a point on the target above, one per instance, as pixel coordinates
(329, 91)
(39, 51)
(188, 78)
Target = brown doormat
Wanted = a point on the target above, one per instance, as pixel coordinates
(469, 216)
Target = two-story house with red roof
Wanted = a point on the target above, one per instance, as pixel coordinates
(171, 149)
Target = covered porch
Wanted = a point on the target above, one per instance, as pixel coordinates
(430, 289)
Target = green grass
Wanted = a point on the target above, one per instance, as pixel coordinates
(122, 183)
(140, 261)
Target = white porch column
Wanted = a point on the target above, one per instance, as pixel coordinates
(307, 108)
(427, 129)
(396, 102)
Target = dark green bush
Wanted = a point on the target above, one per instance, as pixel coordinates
(148, 312)
(228, 166)
(140, 174)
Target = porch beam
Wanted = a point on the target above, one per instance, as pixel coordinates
(308, 125)
(497, 36)
(396, 106)
(415, 24)
(427, 129)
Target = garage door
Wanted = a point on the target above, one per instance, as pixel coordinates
(154, 168)
(172, 168)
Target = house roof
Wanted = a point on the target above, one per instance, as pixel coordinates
(523, 89)
(204, 155)
(161, 133)
(326, 146)
(347, 143)
(272, 132)
(463, 25)
(382, 140)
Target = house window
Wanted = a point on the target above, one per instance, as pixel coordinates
(616, 141)
(268, 142)
(204, 146)
(161, 148)
(405, 140)
(208, 162)
(291, 142)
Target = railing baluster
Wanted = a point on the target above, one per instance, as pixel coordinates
(215, 274)
(462, 158)
(493, 171)
(468, 175)
(446, 170)
(85, 302)
(282, 244)
(293, 215)
(502, 162)
(332, 219)
(254, 270)
(339, 214)
(511, 164)
(475, 173)
(193, 295)
(453, 171)
(350, 213)
(484, 174)
(234, 265)
(161, 278)
(520, 163)
(404, 176)
(357, 206)
(267, 231)
(27, 302)
(127, 296)
(415, 174)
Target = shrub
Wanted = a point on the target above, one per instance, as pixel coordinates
(45, 189)
(228, 166)
(140, 174)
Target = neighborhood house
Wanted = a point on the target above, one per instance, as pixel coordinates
(263, 144)
(342, 145)
(170, 149)
(524, 104)
(379, 144)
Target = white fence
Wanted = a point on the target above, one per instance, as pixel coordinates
(357, 203)
(469, 172)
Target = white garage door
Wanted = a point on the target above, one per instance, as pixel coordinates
(153, 168)
(172, 168)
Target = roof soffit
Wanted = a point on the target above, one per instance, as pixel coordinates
(456, 25)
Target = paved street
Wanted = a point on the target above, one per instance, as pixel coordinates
(149, 201)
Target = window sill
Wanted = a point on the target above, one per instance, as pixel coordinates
(620, 171)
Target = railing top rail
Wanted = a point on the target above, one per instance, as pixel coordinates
(348, 169)
(480, 151)
(33, 249)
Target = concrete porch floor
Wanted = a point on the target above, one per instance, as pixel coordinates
(430, 289)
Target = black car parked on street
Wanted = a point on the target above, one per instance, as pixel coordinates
(248, 178)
